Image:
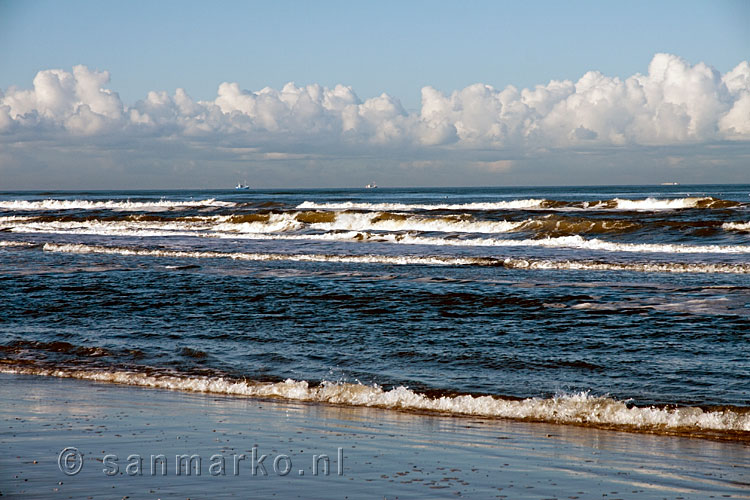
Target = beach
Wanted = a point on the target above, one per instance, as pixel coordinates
(385, 454)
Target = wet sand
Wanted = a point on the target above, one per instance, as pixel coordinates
(371, 453)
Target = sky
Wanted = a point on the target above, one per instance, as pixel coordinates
(103, 94)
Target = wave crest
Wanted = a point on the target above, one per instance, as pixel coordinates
(510, 263)
(110, 204)
(580, 409)
(646, 204)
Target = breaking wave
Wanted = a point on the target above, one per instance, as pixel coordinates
(510, 263)
(6, 243)
(110, 204)
(576, 241)
(577, 409)
(362, 259)
(737, 226)
(384, 227)
(382, 221)
(674, 204)
(647, 204)
(384, 207)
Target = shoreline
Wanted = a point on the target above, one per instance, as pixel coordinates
(383, 453)
(579, 410)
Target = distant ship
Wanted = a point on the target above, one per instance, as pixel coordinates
(241, 186)
(670, 183)
(371, 185)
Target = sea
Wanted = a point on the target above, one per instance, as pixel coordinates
(622, 307)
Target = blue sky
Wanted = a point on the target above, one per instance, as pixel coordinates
(395, 47)
(388, 47)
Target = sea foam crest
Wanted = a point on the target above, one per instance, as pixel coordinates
(575, 241)
(581, 408)
(737, 226)
(510, 263)
(398, 222)
(269, 223)
(647, 204)
(384, 207)
(657, 204)
(110, 204)
(360, 259)
(6, 243)
(278, 227)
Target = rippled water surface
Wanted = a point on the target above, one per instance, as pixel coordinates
(620, 297)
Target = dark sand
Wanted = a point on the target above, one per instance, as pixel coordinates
(386, 454)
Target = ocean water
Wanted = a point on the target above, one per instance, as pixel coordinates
(623, 307)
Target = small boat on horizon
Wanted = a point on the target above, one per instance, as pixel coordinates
(371, 185)
(241, 186)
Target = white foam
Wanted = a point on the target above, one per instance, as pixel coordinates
(511, 263)
(126, 205)
(365, 222)
(191, 227)
(658, 204)
(101, 230)
(575, 241)
(363, 259)
(647, 204)
(386, 207)
(15, 218)
(276, 223)
(737, 226)
(646, 267)
(279, 225)
(580, 408)
(5, 243)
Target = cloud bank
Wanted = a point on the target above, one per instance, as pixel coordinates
(673, 105)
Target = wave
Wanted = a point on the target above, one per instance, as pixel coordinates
(351, 221)
(577, 225)
(645, 267)
(361, 259)
(50, 204)
(258, 223)
(6, 243)
(647, 204)
(383, 227)
(396, 228)
(510, 263)
(16, 219)
(385, 207)
(577, 409)
(737, 226)
(706, 202)
(572, 242)
(577, 242)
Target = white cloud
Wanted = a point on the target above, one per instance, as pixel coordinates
(674, 103)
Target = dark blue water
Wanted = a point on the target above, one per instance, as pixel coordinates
(638, 293)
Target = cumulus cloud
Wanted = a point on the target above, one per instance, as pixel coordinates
(673, 103)
(76, 102)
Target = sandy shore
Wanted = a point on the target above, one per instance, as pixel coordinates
(371, 453)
